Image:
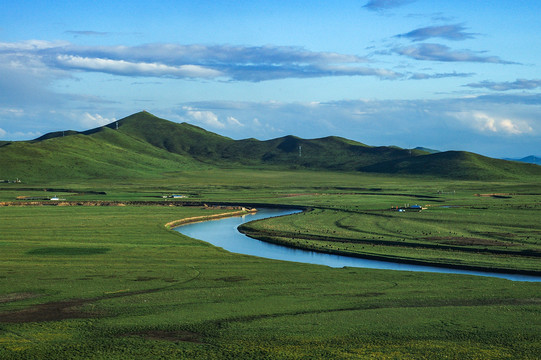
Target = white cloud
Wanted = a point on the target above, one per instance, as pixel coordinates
(241, 63)
(484, 122)
(90, 121)
(514, 127)
(204, 117)
(494, 125)
(31, 45)
(25, 80)
(232, 121)
(18, 135)
(122, 67)
(25, 135)
(11, 111)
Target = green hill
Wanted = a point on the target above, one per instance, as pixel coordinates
(143, 145)
(456, 165)
(107, 155)
(182, 139)
(332, 152)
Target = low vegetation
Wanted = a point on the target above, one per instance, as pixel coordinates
(491, 234)
(104, 282)
(99, 275)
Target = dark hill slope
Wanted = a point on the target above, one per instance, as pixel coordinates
(457, 165)
(56, 134)
(183, 139)
(333, 153)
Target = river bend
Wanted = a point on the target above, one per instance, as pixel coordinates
(223, 233)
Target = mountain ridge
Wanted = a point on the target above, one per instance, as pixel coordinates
(143, 145)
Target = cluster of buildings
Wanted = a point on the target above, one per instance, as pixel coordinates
(173, 196)
(407, 208)
(16, 181)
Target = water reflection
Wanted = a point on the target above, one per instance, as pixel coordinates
(223, 233)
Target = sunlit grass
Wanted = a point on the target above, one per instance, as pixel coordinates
(134, 289)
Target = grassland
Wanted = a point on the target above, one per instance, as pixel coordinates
(483, 233)
(112, 282)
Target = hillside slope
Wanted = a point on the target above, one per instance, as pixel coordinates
(332, 153)
(457, 165)
(143, 145)
(182, 139)
(107, 155)
(326, 153)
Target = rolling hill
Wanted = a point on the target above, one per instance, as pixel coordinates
(456, 165)
(143, 145)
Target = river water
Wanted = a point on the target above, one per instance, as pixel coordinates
(223, 233)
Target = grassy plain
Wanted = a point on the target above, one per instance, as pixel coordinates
(113, 283)
(489, 233)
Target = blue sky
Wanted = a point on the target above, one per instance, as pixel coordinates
(448, 75)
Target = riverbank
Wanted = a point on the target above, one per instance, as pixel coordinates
(213, 205)
(176, 223)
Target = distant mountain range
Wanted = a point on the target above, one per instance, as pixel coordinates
(143, 145)
(528, 159)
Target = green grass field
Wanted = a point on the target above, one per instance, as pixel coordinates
(491, 234)
(111, 282)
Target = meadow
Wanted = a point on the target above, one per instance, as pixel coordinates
(499, 235)
(112, 282)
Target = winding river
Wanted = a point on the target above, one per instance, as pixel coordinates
(223, 233)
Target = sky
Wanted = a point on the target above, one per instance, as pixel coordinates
(446, 75)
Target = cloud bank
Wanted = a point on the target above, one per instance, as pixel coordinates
(379, 122)
(219, 62)
(487, 124)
